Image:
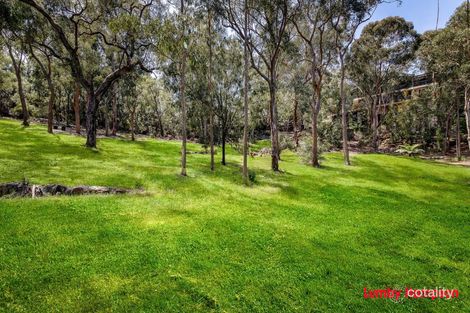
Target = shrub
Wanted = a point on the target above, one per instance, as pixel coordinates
(286, 142)
(251, 176)
(305, 149)
(410, 149)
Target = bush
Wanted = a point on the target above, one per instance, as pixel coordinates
(410, 150)
(305, 149)
(286, 142)
(251, 176)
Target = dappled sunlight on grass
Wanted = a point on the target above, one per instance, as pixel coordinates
(291, 242)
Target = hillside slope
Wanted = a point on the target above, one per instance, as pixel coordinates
(303, 240)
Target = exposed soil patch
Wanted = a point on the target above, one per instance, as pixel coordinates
(25, 189)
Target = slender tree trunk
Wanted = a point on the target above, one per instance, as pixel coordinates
(296, 121)
(209, 87)
(158, 115)
(344, 115)
(223, 146)
(50, 107)
(446, 135)
(76, 107)
(114, 108)
(316, 104)
(275, 152)
(183, 102)
(67, 122)
(375, 123)
(133, 123)
(162, 131)
(106, 119)
(315, 161)
(211, 139)
(245, 98)
(92, 103)
(24, 108)
(457, 135)
(204, 132)
(467, 113)
(19, 80)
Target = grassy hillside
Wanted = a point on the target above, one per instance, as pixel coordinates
(306, 240)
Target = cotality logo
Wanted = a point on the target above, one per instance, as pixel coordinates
(436, 293)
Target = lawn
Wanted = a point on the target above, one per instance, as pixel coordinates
(305, 240)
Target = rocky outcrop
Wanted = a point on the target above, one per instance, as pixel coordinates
(25, 189)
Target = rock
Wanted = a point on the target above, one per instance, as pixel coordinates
(54, 189)
(80, 190)
(15, 189)
(23, 189)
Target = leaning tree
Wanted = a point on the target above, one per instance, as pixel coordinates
(124, 26)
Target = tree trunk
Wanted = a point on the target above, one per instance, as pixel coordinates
(76, 107)
(50, 107)
(158, 115)
(211, 139)
(17, 67)
(316, 105)
(209, 87)
(375, 123)
(457, 135)
(275, 153)
(315, 161)
(467, 114)
(223, 146)
(92, 103)
(24, 108)
(204, 133)
(114, 104)
(446, 135)
(162, 131)
(183, 102)
(296, 121)
(133, 124)
(344, 116)
(106, 119)
(245, 98)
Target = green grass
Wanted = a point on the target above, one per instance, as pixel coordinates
(306, 240)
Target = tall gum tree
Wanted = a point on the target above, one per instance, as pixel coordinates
(345, 18)
(382, 53)
(312, 26)
(267, 35)
(124, 25)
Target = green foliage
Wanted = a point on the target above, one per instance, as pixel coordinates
(252, 175)
(286, 142)
(410, 150)
(305, 149)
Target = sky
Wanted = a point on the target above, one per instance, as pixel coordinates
(422, 13)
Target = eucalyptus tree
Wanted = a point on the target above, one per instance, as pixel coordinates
(125, 25)
(37, 39)
(312, 25)
(173, 50)
(345, 18)
(381, 54)
(447, 52)
(267, 34)
(15, 25)
(228, 80)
